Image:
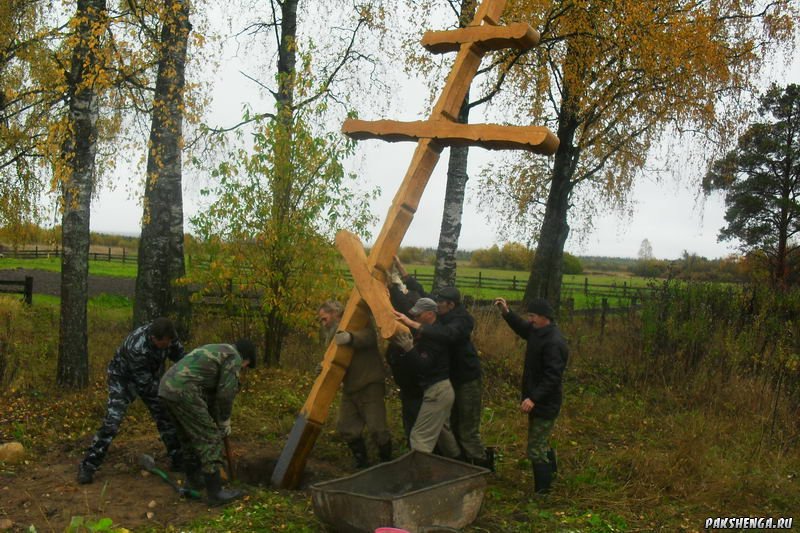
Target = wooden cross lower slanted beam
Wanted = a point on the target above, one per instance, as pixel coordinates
(432, 135)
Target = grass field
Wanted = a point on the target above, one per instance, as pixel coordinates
(53, 264)
(508, 284)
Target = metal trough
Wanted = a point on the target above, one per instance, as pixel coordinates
(417, 492)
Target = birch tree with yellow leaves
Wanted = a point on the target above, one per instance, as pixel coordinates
(611, 78)
(74, 170)
(161, 254)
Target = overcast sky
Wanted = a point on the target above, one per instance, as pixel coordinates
(673, 217)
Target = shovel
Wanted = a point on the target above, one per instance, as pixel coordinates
(149, 464)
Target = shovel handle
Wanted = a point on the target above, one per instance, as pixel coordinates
(228, 457)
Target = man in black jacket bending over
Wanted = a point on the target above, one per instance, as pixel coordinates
(454, 328)
(545, 360)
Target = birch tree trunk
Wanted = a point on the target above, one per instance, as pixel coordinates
(445, 270)
(77, 181)
(161, 254)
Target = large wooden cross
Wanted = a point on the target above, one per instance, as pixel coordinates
(432, 135)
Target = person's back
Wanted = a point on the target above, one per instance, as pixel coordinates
(200, 370)
(138, 353)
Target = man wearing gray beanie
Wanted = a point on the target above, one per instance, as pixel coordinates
(545, 360)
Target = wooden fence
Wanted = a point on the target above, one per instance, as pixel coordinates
(47, 253)
(631, 295)
(23, 287)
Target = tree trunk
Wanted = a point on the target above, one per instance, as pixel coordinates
(275, 326)
(287, 57)
(78, 153)
(548, 263)
(445, 271)
(161, 257)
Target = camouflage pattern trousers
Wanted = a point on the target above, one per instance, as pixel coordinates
(539, 430)
(122, 390)
(199, 434)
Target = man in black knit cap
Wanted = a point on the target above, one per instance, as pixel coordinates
(545, 360)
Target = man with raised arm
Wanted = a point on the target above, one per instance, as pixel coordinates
(541, 395)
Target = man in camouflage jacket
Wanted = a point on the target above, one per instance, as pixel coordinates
(134, 371)
(199, 390)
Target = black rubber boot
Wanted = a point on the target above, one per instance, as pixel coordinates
(359, 449)
(176, 461)
(215, 494)
(194, 477)
(542, 477)
(487, 461)
(385, 451)
(551, 458)
(85, 474)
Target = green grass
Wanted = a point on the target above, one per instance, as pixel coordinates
(53, 264)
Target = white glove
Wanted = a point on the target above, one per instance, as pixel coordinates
(225, 427)
(343, 337)
(404, 340)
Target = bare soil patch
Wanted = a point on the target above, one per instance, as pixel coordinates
(45, 493)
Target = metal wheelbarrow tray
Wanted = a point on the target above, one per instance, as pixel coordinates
(416, 492)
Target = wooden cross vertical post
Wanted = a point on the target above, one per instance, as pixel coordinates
(432, 135)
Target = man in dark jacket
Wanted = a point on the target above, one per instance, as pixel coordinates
(431, 360)
(454, 328)
(403, 372)
(134, 371)
(545, 360)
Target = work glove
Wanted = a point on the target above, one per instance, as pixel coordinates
(404, 340)
(225, 427)
(343, 337)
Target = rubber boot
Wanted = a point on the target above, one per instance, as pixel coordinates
(176, 462)
(194, 477)
(542, 477)
(359, 449)
(551, 458)
(215, 494)
(487, 461)
(85, 474)
(385, 451)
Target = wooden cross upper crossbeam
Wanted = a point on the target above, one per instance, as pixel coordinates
(448, 133)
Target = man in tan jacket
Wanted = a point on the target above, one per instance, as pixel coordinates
(363, 387)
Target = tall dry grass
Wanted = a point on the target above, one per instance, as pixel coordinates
(684, 410)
